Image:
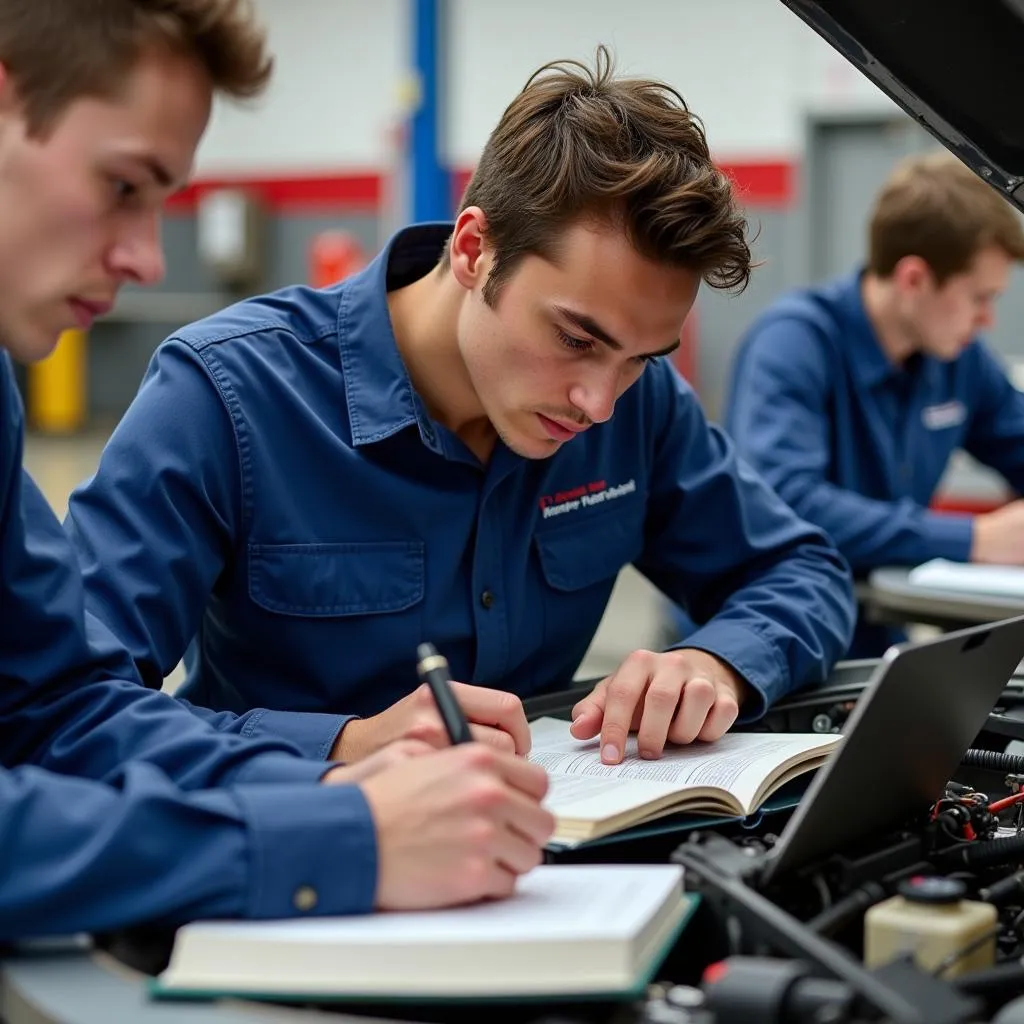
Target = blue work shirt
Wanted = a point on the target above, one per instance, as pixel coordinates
(139, 834)
(857, 444)
(278, 491)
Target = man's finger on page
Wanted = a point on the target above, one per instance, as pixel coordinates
(587, 714)
(720, 718)
(698, 698)
(660, 704)
(624, 696)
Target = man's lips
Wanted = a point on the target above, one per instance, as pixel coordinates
(87, 310)
(558, 430)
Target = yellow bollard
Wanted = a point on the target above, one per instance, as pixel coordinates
(57, 386)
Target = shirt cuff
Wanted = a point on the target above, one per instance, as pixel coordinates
(312, 732)
(312, 850)
(754, 659)
(274, 767)
(950, 536)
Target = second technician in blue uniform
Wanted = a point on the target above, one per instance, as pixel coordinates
(851, 397)
(312, 482)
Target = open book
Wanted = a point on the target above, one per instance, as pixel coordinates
(732, 776)
(567, 930)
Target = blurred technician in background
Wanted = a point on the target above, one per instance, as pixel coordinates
(851, 396)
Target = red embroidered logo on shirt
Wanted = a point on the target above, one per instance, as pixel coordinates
(595, 493)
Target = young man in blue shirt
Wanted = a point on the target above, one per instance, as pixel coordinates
(116, 804)
(851, 396)
(310, 483)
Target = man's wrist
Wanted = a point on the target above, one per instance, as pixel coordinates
(740, 687)
(346, 745)
(978, 539)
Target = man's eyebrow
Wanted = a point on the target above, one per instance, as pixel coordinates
(161, 175)
(595, 330)
(666, 351)
(590, 326)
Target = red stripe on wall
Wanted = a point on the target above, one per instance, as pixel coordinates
(769, 183)
(357, 193)
(772, 183)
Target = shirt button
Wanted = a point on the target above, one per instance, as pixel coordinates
(305, 898)
(487, 598)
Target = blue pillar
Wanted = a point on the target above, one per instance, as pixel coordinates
(430, 182)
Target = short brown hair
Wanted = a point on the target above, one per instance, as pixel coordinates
(937, 208)
(57, 51)
(580, 142)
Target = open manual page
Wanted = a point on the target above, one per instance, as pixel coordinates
(732, 776)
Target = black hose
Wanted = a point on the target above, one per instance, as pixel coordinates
(832, 919)
(992, 980)
(996, 760)
(1004, 889)
(983, 855)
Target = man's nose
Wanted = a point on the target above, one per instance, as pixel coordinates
(138, 254)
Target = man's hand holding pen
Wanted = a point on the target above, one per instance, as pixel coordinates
(458, 824)
(496, 719)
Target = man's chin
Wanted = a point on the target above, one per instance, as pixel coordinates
(530, 447)
(537, 450)
(28, 346)
(949, 353)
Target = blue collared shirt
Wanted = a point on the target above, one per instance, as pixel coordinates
(278, 491)
(107, 808)
(858, 445)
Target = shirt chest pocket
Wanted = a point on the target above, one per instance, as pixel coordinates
(580, 554)
(334, 580)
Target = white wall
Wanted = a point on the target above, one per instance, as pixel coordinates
(335, 94)
(750, 68)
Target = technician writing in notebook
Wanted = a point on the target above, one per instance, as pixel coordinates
(469, 440)
(116, 804)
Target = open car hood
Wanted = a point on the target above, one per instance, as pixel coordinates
(956, 66)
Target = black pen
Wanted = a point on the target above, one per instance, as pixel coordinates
(433, 670)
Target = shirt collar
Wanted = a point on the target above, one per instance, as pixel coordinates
(869, 363)
(381, 398)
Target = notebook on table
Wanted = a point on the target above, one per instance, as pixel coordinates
(968, 578)
(592, 931)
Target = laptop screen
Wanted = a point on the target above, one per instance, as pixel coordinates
(904, 740)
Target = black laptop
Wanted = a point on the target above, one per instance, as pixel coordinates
(923, 707)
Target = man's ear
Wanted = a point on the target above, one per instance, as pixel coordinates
(912, 274)
(9, 101)
(468, 251)
(11, 107)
